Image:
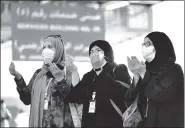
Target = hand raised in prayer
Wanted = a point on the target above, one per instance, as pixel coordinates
(136, 67)
(69, 62)
(13, 71)
(56, 72)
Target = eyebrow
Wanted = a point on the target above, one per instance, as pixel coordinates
(47, 45)
(96, 49)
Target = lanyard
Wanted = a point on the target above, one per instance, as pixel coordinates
(93, 95)
(47, 87)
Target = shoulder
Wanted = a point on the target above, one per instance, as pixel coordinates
(35, 74)
(174, 68)
(37, 71)
(177, 67)
(88, 74)
(172, 71)
(120, 68)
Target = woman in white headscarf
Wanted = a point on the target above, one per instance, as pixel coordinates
(47, 88)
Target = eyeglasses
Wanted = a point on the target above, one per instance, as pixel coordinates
(55, 36)
(147, 44)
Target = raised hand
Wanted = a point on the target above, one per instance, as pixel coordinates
(136, 67)
(133, 67)
(56, 72)
(13, 71)
(69, 62)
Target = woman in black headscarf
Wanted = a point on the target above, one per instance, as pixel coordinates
(159, 83)
(98, 86)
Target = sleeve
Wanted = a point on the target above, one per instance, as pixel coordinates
(25, 91)
(61, 88)
(133, 91)
(168, 85)
(77, 94)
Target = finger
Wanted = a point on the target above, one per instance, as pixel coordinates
(136, 60)
(50, 67)
(55, 66)
(142, 63)
(133, 61)
(12, 65)
(129, 61)
(63, 63)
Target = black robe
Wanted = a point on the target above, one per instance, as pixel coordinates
(106, 88)
(164, 89)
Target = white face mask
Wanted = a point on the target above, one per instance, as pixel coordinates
(96, 57)
(148, 53)
(48, 55)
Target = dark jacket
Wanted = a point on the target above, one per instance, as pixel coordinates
(106, 88)
(165, 92)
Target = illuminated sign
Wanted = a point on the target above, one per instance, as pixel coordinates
(78, 25)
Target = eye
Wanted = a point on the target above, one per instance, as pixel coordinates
(50, 47)
(147, 44)
(92, 51)
(150, 44)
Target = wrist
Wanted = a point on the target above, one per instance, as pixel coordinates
(18, 75)
(142, 74)
(59, 79)
(136, 76)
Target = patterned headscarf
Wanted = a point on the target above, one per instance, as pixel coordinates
(58, 44)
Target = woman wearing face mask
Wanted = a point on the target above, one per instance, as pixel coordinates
(98, 86)
(47, 88)
(159, 83)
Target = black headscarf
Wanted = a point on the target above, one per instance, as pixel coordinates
(106, 47)
(165, 53)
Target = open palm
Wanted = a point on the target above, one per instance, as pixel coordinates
(135, 66)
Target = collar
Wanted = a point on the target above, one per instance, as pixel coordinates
(99, 69)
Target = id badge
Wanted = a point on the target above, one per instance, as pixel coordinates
(92, 106)
(45, 104)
